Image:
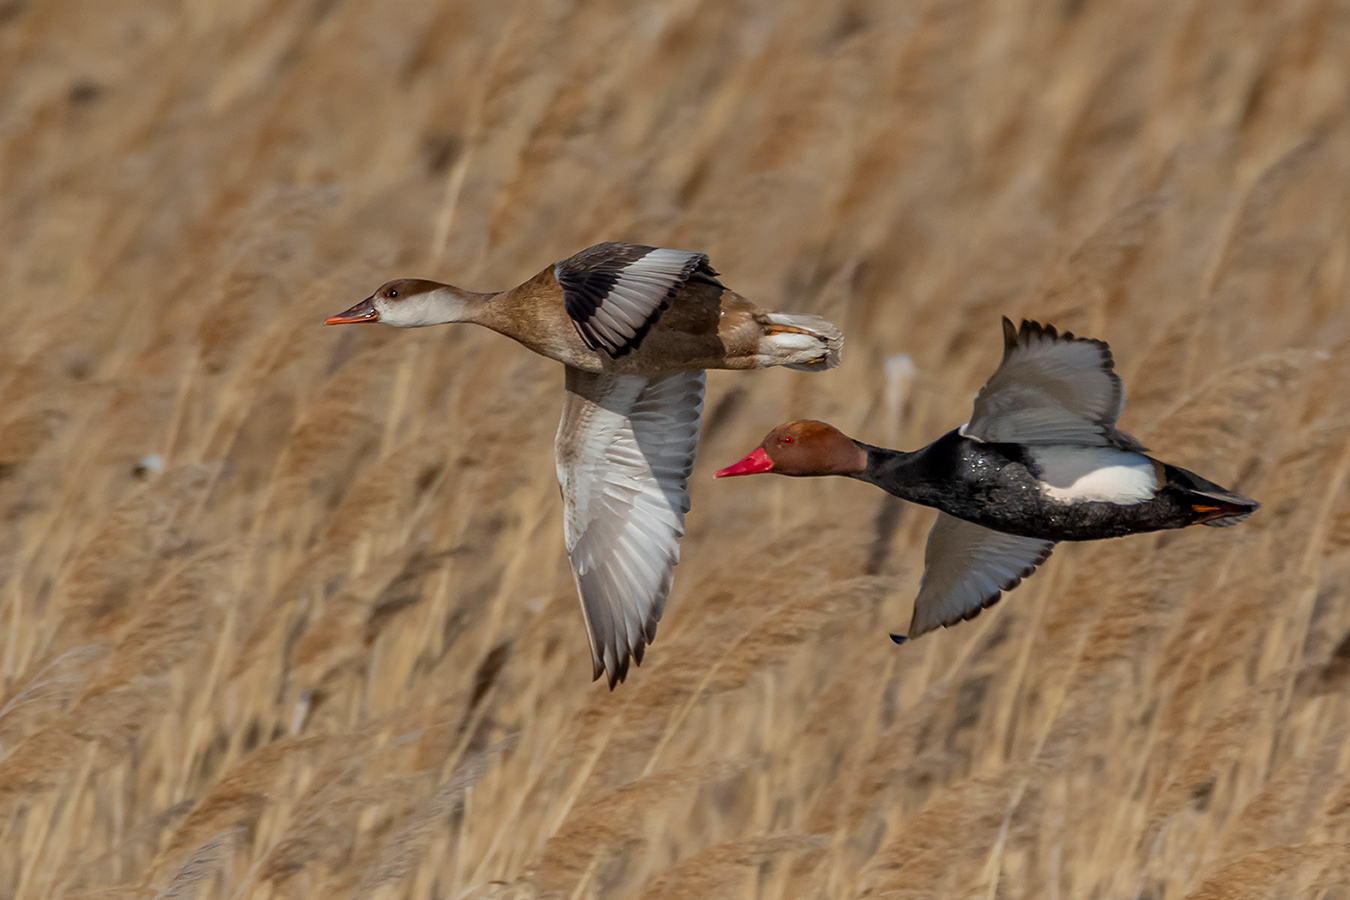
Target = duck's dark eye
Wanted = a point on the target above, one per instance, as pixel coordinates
(393, 294)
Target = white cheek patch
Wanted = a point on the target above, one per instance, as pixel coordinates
(1085, 474)
(426, 308)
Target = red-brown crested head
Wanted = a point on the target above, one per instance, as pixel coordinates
(803, 448)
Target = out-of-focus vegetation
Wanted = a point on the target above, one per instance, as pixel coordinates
(333, 649)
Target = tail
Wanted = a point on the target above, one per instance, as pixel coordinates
(1210, 504)
(802, 342)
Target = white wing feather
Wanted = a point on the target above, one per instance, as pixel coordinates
(625, 448)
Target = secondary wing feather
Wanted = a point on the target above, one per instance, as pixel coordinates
(625, 448)
(966, 568)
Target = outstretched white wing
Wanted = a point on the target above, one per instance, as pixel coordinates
(966, 568)
(625, 448)
(1051, 388)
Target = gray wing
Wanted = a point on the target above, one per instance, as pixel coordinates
(1051, 388)
(966, 568)
(625, 448)
(615, 292)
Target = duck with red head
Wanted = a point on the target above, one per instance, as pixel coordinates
(1040, 461)
(803, 448)
(635, 327)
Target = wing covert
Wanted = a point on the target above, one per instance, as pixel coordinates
(1051, 388)
(615, 292)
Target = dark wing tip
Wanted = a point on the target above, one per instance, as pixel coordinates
(900, 638)
(988, 602)
(1028, 332)
(705, 273)
(616, 673)
(1033, 330)
(1009, 337)
(974, 611)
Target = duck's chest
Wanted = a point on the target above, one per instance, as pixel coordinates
(1059, 493)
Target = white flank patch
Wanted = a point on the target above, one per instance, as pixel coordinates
(1084, 474)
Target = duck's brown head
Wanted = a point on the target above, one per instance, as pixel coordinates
(407, 303)
(803, 448)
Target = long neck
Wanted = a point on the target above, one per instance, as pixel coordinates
(534, 315)
(451, 304)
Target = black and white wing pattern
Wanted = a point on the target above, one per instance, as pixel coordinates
(966, 567)
(615, 292)
(625, 448)
(1051, 388)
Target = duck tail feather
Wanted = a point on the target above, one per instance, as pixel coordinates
(815, 326)
(1211, 504)
(1222, 510)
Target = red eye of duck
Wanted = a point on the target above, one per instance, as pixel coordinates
(787, 438)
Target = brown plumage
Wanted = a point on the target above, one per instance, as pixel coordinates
(635, 326)
(623, 309)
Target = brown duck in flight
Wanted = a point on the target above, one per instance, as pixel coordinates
(635, 327)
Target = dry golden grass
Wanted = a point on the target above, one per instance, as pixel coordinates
(333, 648)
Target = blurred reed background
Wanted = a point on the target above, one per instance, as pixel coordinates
(333, 649)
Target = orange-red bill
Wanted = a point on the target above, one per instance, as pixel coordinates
(364, 311)
(756, 462)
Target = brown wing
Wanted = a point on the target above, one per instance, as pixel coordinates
(615, 292)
